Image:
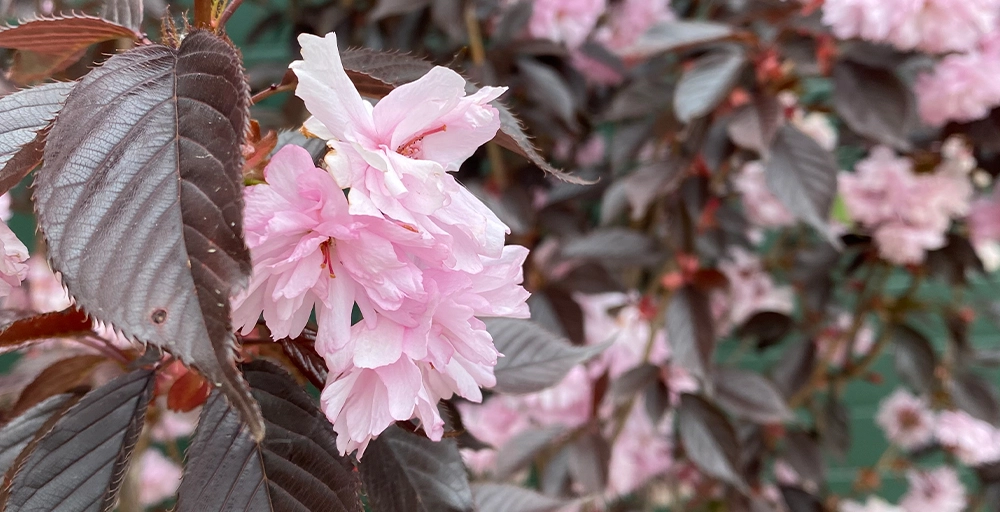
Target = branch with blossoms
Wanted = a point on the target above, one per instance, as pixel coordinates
(501, 255)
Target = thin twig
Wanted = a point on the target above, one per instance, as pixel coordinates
(226, 14)
(270, 91)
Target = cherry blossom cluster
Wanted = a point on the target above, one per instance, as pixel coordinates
(910, 424)
(385, 230)
(933, 26)
(908, 213)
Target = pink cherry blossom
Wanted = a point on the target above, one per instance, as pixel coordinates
(45, 292)
(936, 490)
(835, 334)
(616, 317)
(13, 264)
(630, 19)
(974, 441)
(420, 339)
(159, 477)
(395, 157)
(934, 26)
(751, 290)
(906, 420)
(908, 213)
(961, 87)
(564, 21)
(641, 452)
(873, 504)
(762, 208)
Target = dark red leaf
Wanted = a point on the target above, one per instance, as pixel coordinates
(95, 438)
(61, 35)
(188, 392)
(296, 467)
(22, 327)
(65, 375)
(145, 162)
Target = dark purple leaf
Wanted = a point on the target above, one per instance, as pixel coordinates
(23, 118)
(297, 466)
(753, 125)
(766, 328)
(798, 500)
(144, 161)
(873, 102)
(915, 358)
(676, 35)
(709, 439)
(18, 432)
(836, 424)
(80, 463)
(521, 449)
(614, 247)
(511, 22)
(690, 330)
(303, 354)
(750, 396)
(589, 456)
(803, 453)
(405, 471)
(707, 83)
(803, 176)
(510, 498)
(976, 396)
(796, 365)
(534, 358)
(386, 8)
(632, 382)
(376, 73)
(548, 90)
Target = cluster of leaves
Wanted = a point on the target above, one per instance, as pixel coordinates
(139, 165)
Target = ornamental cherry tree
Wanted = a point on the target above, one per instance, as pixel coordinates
(727, 256)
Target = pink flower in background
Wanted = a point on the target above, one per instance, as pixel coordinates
(642, 451)
(974, 441)
(630, 19)
(908, 213)
(159, 477)
(616, 317)
(836, 334)
(751, 290)
(936, 490)
(396, 157)
(13, 265)
(501, 417)
(172, 425)
(934, 26)
(762, 208)
(45, 292)
(873, 504)
(906, 420)
(961, 87)
(564, 21)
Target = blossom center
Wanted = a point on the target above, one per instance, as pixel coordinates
(413, 147)
(327, 260)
